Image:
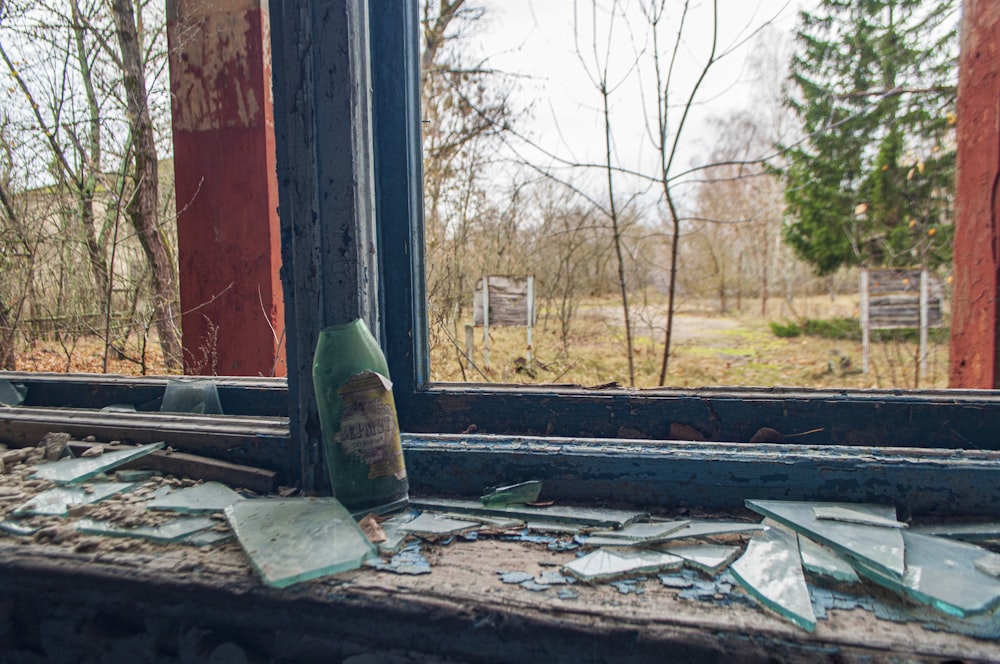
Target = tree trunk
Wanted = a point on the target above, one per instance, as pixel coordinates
(8, 361)
(142, 208)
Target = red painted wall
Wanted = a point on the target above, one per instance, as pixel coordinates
(974, 340)
(229, 248)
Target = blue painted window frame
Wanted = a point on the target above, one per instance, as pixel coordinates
(882, 418)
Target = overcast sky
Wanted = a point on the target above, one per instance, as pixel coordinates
(541, 41)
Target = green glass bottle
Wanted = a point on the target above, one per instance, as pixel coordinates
(358, 417)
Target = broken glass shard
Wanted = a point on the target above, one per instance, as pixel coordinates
(515, 578)
(11, 394)
(970, 532)
(78, 470)
(119, 408)
(840, 513)
(598, 540)
(586, 516)
(701, 529)
(165, 533)
(200, 499)
(644, 532)
(627, 586)
(394, 537)
(534, 586)
(771, 571)
(671, 581)
(989, 564)
(208, 538)
(410, 561)
(877, 547)
(135, 475)
(514, 494)
(707, 558)
(58, 501)
(821, 561)
(437, 524)
(290, 540)
(604, 564)
(191, 395)
(553, 527)
(13, 527)
(943, 573)
(498, 522)
(552, 579)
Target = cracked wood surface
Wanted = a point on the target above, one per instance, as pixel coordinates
(459, 610)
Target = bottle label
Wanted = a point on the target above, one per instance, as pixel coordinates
(369, 430)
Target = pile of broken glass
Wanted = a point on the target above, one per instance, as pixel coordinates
(290, 540)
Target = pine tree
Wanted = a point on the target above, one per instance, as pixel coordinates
(872, 183)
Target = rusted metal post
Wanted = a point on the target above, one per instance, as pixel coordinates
(975, 343)
(228, 242)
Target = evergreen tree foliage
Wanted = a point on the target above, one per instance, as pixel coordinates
(872, 183)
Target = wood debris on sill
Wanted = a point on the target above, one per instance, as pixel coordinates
(637, 555)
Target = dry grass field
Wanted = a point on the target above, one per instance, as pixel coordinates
(708, 350)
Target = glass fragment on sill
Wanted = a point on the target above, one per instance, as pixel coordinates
(58, 501)
(648, 533)
(514, 494)
(701, 529)
(18, 528)
(988, 564)
(131, 475)
(410, 560)
(627, 586)
(437, 525)
(290, 540)
(199, 396)
(200, 499)
(394, 536)
(876, 547)
(969, 532)
(68, 471)
(119, 408)
(554, 579)
(942, 573)
(771, 571)
(497, 522)
(840, 513)
(584, 516)
(11, 394)
(514, 578)
(707, 558)
(164, 533)
(552, 527)
(821, 561)
(673, 581)
(604, 564)
(208, 538)
(534, 586)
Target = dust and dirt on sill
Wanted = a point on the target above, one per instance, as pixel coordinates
(797, 560)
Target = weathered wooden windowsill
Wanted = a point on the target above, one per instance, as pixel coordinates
(175, 601)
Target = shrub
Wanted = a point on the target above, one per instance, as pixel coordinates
(785, 330)
(833, 328)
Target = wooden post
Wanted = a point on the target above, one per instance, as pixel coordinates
(469, 335)
(530, 306)
(975, 342)
(226, 188)
(865, 322)
(924, 320)
(486, 322)
(328, 241)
